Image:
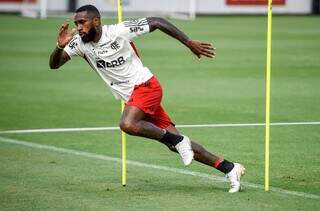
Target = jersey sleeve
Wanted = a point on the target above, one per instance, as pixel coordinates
(73, 47)
(132, 28)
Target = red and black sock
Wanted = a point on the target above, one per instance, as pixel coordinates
(223, 165)
(171, 138)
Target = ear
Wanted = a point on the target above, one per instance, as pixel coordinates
(96, 21)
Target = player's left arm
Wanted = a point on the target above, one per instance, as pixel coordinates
(197, 47)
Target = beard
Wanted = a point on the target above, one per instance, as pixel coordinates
(89, 36)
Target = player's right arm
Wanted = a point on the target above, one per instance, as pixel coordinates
(59, 57)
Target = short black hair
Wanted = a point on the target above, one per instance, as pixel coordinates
(90, 9)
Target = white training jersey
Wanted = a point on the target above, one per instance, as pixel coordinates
(113, 58)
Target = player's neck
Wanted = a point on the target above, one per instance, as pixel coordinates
(98, 35)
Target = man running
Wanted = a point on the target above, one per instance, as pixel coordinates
(109, 52)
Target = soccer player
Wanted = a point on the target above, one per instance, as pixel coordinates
(109, 52)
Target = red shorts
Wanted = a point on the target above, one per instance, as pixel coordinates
(147, 97)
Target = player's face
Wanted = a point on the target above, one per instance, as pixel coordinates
(85, 26)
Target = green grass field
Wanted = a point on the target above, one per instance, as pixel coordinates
(228, 89)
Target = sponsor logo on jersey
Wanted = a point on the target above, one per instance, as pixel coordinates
(136, 25)
(136, 29)
(102, 51)
(118, 82)
(110, 64)
(140, 22)
(101, 63)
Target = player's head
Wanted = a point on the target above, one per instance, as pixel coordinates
(87, 20)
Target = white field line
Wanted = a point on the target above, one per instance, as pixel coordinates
(151, 166)
(53, 130)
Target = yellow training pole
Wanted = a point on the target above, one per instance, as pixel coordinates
(268, 82)
(124, 153)
(123, 135)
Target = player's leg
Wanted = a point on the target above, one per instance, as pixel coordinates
(133, 122)
(162, 119)
(233, 171)
(200, 153)
(203, 156)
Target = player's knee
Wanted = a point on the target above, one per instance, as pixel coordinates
(125, 126)
(129, 127)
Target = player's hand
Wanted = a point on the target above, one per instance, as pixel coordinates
(201, 49)
(65, 35)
